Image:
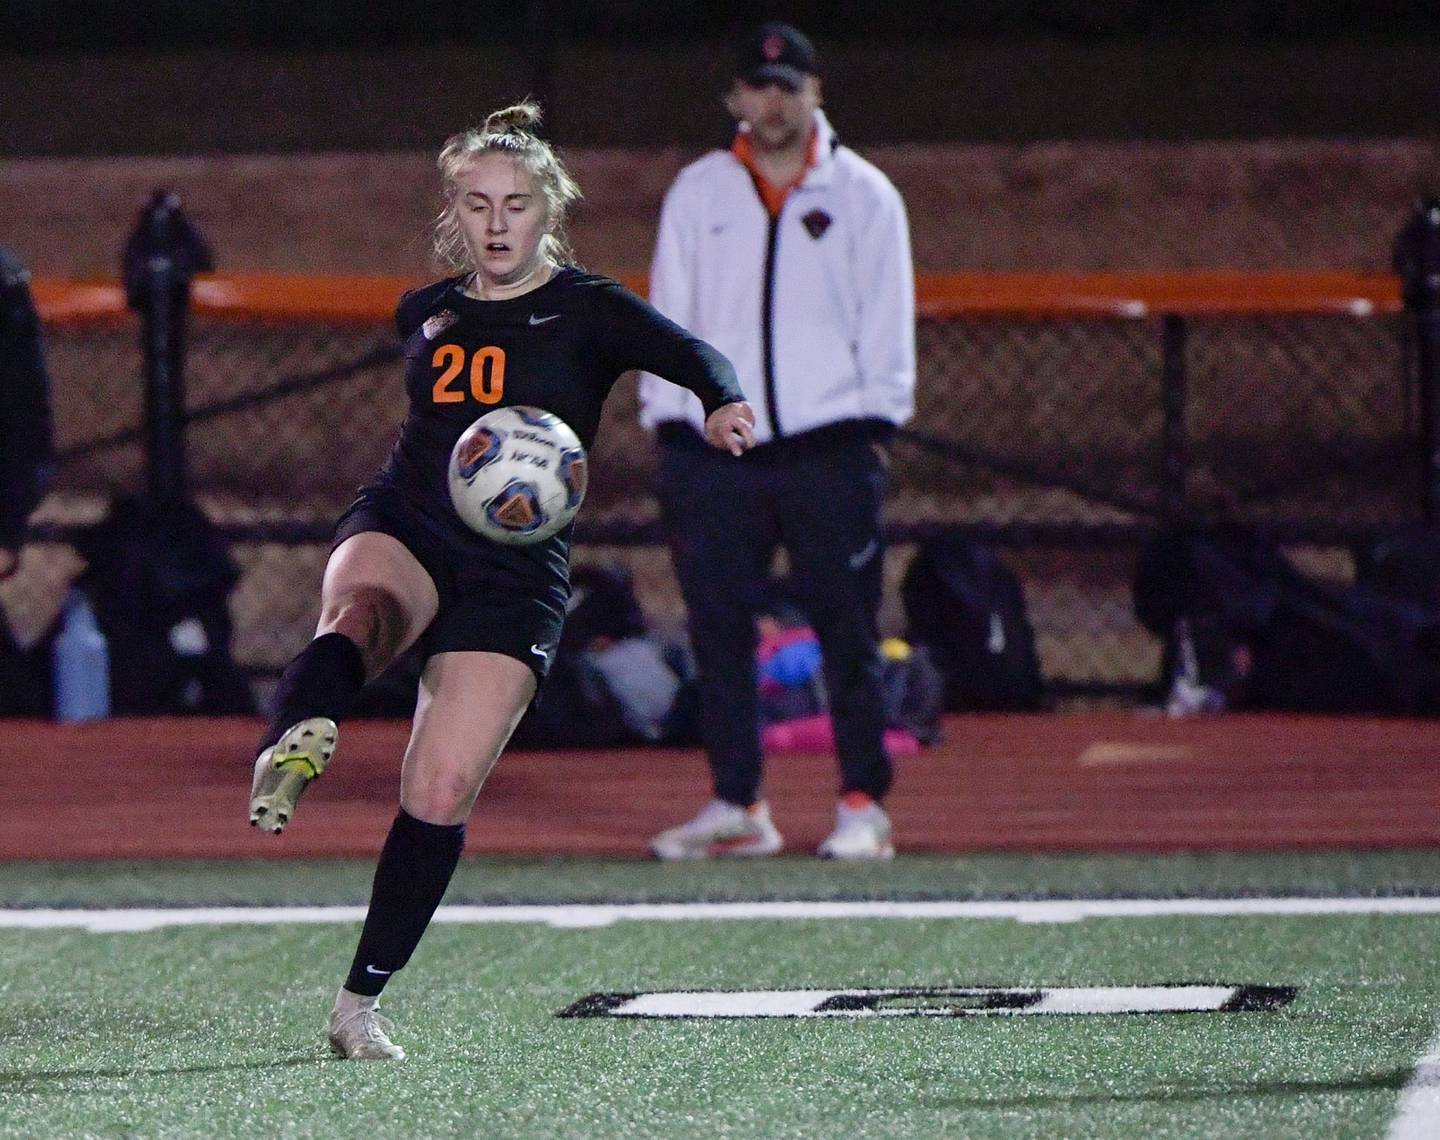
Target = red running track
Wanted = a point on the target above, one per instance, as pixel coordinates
(178, 788)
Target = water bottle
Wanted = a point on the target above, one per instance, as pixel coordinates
(82, 664)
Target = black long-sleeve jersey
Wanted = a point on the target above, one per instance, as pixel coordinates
(26, 437)
(560, 347)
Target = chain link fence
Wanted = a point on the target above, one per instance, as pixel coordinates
(1047, 435)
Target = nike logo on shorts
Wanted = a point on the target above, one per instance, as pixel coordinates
(540, 653)
(536, 319)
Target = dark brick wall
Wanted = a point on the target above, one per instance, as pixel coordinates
(1072, 205)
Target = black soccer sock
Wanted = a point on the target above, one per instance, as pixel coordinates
(321, 681)
(414, 870)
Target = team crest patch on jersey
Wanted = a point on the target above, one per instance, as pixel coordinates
(437, 324)
(816, 222)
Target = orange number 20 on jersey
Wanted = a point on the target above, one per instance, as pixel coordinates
(487, 374)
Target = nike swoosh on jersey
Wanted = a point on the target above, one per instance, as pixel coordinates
(536, 319)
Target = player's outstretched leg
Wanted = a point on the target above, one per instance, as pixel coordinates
(358, 1032)
(315, 691)
(283, 771)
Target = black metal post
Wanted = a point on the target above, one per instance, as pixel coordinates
(1172, 403)
(1417, 261)
(162, 255)
(542, 35)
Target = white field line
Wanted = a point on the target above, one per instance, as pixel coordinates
(581, 915)
(811, 1003)
(1417, 1117)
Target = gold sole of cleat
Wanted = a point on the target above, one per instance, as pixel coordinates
(301, 764)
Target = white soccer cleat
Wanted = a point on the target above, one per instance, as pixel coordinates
(721, 831)
(358, 1032)
(861, 835)
(283, 770)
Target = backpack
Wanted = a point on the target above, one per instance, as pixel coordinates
(912, 690)
(1208, 593)
(966, 606)
(1275, 638)
(1405, 566)
(25, 681)
(159, 577)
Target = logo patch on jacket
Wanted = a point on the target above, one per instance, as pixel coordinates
(816, 222)
(437, 324)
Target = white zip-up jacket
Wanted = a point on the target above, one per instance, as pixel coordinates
(816, 309)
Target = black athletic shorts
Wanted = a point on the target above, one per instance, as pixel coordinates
(484, 605)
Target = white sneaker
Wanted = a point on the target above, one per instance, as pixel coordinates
(358, 1032)
(721, 831)
(860, 835)
(283, 771)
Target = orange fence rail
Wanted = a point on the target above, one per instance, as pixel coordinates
(366, 300)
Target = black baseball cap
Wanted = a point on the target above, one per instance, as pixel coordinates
(776, 53)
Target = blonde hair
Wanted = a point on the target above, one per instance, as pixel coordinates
(508, 132)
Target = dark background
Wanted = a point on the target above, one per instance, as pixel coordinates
(36, 27)
(103, 77)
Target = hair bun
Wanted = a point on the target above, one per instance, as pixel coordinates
(517, 119)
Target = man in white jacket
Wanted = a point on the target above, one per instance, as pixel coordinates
(791, 254)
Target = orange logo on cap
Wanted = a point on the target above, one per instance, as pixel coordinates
(772, 47)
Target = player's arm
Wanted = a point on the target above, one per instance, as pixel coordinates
(634, 334)
(885, 336)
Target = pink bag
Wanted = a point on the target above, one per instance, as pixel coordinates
(816, 734)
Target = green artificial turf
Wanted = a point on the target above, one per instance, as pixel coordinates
(218, 1031)
(498, 880)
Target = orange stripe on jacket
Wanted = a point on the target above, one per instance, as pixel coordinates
(773, 196)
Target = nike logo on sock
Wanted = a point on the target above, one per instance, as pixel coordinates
(373, 970)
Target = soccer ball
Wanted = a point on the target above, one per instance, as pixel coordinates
(517, 475)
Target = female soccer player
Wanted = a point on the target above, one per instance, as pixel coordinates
(518, 325)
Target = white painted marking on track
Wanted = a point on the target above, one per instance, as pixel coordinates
(115, 920)
(1417, 1117)
(1128, 752)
